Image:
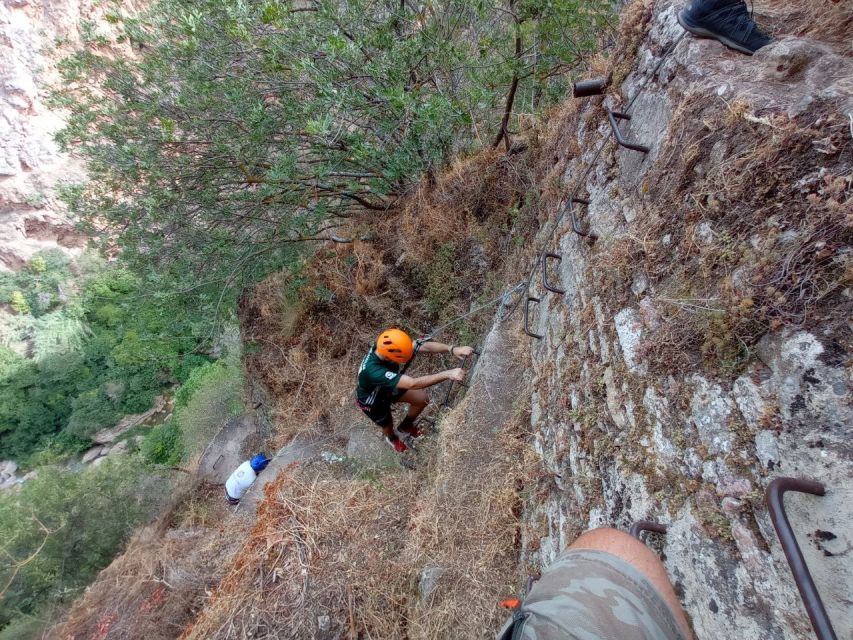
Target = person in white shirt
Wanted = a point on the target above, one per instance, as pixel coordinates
(243, 477)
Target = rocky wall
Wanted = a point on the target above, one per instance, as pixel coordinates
(31, 165)
(620, 441)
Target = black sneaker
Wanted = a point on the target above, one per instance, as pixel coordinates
(728, 21)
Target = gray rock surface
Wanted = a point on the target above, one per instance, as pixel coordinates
(618, 443)
(92, 454)
(31, 165)
(429, 581)
(8, 467)
(235, 443)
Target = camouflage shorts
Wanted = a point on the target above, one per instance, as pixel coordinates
(592, 595)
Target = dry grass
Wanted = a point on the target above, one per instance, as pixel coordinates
(323, 545)
(757, 216)
(467, 524)
(334, 542)
(829, 21)
(159, 584)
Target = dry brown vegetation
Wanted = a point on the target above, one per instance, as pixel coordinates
(756, 241)
(444, 250)
(829, 21)
(338, 551)
(325, 544)
(160, 583)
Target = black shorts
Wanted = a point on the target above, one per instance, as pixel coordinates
(380, 412)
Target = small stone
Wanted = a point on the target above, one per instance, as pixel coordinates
(324, 623)
(731, 506)
(733, 487)
(8, 467)
(429, 581)
(813, 439)
(666, 239)
(747, 396)
(704, 233)
(119, 448)
(710, 409)
(767, 449)
(629, 328)
(638, 286)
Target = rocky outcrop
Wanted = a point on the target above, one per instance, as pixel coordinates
(624, 434)
(31, 165)
(159, 412)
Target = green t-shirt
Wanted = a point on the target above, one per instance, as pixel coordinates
(376, 379)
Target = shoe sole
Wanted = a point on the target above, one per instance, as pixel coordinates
(704, 33)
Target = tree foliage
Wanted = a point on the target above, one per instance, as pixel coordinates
(105, 352)
(236, 128)
(63, 527)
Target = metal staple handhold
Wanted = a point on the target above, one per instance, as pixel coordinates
(646, 525)
(774, 496)
(611, 116)
(593, 87)
(446, 402)
(527, 318)
(576, 225)
(545, 282)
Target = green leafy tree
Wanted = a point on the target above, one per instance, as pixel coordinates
(239, 128)
(109, 351)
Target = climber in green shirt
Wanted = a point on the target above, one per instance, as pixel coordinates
(381, 382)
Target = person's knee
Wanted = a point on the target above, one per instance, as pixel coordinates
(612, 541)
(420, 398)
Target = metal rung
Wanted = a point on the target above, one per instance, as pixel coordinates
(527, 318)
(611, 116)
(446, 402)
(808, 591)
(646, 525)
(545, 282)
(576, 225)
(593, 87)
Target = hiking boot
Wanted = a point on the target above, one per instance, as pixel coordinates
(399, 445)
(728, 21)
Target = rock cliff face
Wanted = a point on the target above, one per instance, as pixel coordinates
(624, 431)
(31, 166)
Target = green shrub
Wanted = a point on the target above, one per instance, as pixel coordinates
(210, 396)
(91, 411)
(37, 264)
(63, 527)
(164, 445)
(19, 303)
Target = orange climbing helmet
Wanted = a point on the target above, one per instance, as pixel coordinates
(395, 345)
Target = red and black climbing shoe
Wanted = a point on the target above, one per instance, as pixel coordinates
(414, 431)
(728, 21)
(398, 445)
